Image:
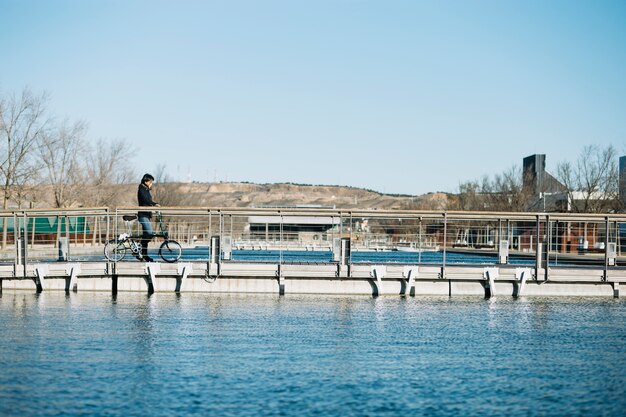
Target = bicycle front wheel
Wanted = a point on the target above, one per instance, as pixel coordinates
(114, 250)
(170, 251)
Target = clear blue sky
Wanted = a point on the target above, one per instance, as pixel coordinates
(396, 96)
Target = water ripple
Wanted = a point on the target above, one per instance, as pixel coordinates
(251, 355)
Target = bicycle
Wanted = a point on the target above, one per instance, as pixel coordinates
(116, 249)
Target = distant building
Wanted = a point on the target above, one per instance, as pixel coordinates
(550, 195)
(301, 228)
(537, 179)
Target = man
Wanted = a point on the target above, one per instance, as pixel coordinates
(144, 199)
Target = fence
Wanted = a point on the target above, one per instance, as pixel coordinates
(313, 235)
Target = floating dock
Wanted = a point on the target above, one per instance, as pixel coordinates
(43, 252)
(243, 277)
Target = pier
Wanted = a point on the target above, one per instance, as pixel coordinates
(322, 251)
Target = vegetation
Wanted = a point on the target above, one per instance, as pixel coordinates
(503, 192)
(37, 149)
(592, 181)
(588, 185)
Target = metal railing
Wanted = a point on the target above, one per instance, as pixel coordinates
(540, 240)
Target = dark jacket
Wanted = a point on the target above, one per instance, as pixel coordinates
(144, 199)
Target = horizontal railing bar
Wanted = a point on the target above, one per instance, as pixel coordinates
(368, 213)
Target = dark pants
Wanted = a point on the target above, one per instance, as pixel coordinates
(147, 234)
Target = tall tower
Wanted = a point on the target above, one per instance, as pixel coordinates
(534, 169)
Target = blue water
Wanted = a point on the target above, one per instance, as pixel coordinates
(298, 256)
(253, 355)
(383, 257)
(360, 257)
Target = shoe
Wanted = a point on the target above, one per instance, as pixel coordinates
(146, 258)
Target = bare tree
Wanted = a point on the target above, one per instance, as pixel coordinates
(61, 151)
(109, 165)
(22, 122)
(507, 191)
(592, 181)
(28, 194)
(167, 192)
(503, 192)
(470, 197)
(160, 173)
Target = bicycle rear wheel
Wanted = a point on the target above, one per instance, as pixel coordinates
(114, 250)
(170, 251)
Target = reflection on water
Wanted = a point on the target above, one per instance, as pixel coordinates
(167, 354)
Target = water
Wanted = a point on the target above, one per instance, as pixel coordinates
(251, 355)
(435, 257)
(200, 253)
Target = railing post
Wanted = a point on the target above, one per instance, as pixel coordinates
(24, 238)
(445, 241)
(221, 224)
(538, 248)
(21, 245)
(109, 227)
(210, 221)
(419, 241)
(618, 239)
(231, 226)
(281, 277)
(280, 252)
(606, 249)
(23, 233)
(32, 234)
(345, 257)
(215, 249)
(340, 224)
(346, 251)
(59, 223)
(351, 226)
(63, 249)
(548, 243)
(214, 257)
(68, 236)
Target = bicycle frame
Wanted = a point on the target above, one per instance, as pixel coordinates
(162, 230)
(169, 251)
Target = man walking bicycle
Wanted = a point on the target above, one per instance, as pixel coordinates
(144, 199)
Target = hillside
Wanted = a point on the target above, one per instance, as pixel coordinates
(263, 195)
(231, 194)
(273, 195)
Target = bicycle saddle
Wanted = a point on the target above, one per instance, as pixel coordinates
(129, 217)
